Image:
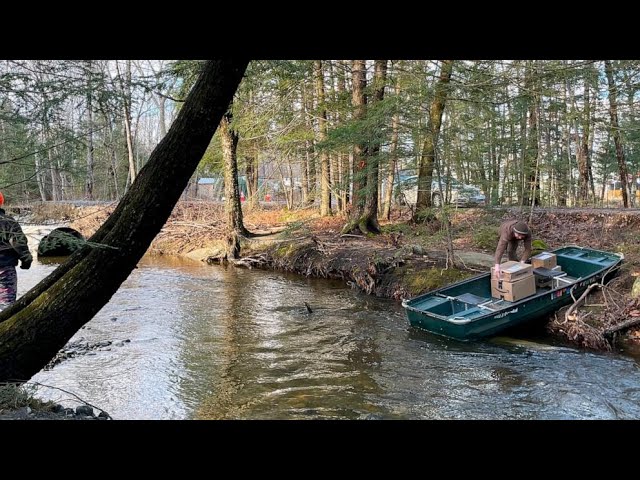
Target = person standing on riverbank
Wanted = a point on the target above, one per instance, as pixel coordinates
(13, 247)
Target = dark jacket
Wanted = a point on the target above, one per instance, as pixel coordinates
(506, 237)
(13, 242)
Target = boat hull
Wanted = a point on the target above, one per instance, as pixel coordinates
(536, 307)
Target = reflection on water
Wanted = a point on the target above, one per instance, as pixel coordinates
(215, 343)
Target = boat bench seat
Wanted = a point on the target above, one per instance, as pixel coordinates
(472, 299)
(467, 313)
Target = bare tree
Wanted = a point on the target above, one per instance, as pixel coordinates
(125, 90)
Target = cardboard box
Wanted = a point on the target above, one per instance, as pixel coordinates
(545, 260)
(513, 291)
(512, 271)
(503, 266)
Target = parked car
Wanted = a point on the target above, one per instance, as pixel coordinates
(455, 193)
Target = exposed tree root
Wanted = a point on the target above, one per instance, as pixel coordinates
(598, 329)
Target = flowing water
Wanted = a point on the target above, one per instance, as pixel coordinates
(207, 342)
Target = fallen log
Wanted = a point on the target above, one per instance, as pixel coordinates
(569, 315)
(608, 332)
(255, 261)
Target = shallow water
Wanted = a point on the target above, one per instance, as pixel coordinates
(213, 343)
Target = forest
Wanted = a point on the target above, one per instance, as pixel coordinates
(317, 161)
(333, 133)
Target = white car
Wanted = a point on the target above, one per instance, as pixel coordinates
(454, 192)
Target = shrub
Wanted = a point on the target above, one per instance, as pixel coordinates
(538, 246)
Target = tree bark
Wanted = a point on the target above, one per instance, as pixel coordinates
(360, 150)
(582, 154)
(252, 180)
(307, 101)
(369, 220)
(325, 188)
(88, 191)
(125, 89)
(233, 207)
(393, 162)
(531, 191)
(35, 327)
(345, 177)
(615, 127)
(425, 170)
(334, 158)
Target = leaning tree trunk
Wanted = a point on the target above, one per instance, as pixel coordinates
(125, 90)
(425, 171)
(615, 128)
(35, 327)
(233, 208)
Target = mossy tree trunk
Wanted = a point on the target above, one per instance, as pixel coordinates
(34, 328)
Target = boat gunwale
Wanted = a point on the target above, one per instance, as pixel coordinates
(464, 321)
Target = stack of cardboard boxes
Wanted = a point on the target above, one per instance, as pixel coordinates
(544, 260)
(548, 261)
(515, 283)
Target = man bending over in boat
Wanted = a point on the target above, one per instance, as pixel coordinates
(511, 233)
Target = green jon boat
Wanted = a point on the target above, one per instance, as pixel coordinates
(466, 310)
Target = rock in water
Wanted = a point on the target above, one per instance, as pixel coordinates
(60, 242)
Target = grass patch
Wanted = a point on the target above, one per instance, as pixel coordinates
(538, 246)
(485, 237)
(14, 396)
(299, 227)
(403, 228)
(629, 249)
(289, 249)
(428, 279)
